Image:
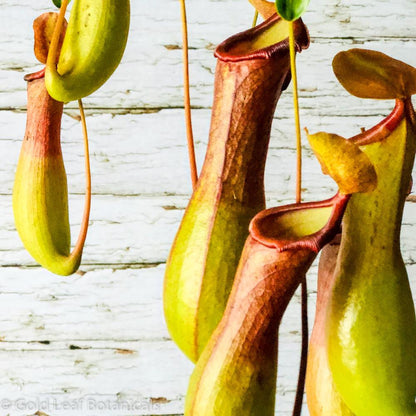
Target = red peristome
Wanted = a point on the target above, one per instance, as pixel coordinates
(383, 129)
(35, 75)
(231, 50)
(261, 226)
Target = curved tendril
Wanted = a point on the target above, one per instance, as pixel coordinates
(51, 64)
(76, 252)
(53, 49)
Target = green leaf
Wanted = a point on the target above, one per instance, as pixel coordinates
(291, 9)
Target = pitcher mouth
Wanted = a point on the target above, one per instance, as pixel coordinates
(35, 75)
(308, 225)
(270, 38)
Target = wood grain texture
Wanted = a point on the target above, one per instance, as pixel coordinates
(96, 343)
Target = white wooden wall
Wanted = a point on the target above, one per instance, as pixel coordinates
(96, 343)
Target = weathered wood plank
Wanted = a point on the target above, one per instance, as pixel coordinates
(159, 85)
(44, 355)
(67, 340)
(145, 154)
(150, 75)
(132, 231)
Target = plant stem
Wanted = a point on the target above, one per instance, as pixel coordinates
(187, 98)
(297, 410)
(53, 49)
(256, 16)
(87, 205)
(296, 112)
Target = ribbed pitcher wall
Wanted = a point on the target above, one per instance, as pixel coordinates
(252, 70)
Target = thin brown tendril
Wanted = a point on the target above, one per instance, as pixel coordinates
(187, 98)
(87, 205)
(53, 49)
(51, 63)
